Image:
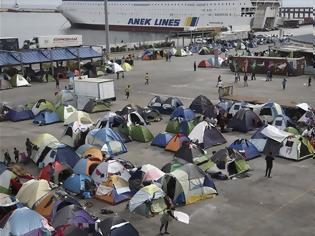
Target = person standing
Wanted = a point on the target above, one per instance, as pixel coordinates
(29, 147)
(16, 155)
(127, 91)
(167, 215)
(284, 83)
(235, 78)
(253, 77)
(245, 80)
(269, 163)
(195, 66)
(219, 80)
(7, 158)
(46, 76)
(147, 78)
(57, 82)
(309, 81)
(117, 73)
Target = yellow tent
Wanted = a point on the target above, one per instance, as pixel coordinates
(33, 190)
(44, 139)
(126, 66)
(79, 116)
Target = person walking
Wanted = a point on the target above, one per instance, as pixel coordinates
(269, 163)
(267, 75)
(235, 78)
(16, 155)
(284, 83)
(195, 66)
(167, 215)
(46, 76)
(253, 77)
(117, 73)
(29, 147)
(245, 80)
(219, 80)
(127, 91)
(309, 81)
(147, 78)
(57, 82)
(7, 158)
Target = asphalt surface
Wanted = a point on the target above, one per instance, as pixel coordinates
(282, 205)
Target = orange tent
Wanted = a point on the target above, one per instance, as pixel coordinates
(44, 206)
(204, 64)
(94, 152)
(176, 142)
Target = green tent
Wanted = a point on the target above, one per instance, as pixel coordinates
(96, 106)
(180, 53)
(184, 127)
(173, 126)
(241, 166)
(65, 111)
(292, 130)
(140, 133)
(124, 129)
(171, 166)
(42, 105)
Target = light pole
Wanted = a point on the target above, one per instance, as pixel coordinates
(106, 28)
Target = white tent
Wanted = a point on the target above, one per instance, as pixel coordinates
(275, 134)
(173, 51)
(296, 148)
(304, 106)
(116, 68)
(281, 122)
(19, 81)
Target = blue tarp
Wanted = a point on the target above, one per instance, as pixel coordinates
(59, 54)
(85, 52)
(30, 57)
(7, 59)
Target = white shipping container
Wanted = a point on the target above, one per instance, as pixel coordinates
(58, 41)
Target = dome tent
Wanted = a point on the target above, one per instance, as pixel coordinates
(246, 146)
(42, 105)
(162, 139)
(18, 113)
(245, 120)
(46, 117)
(200, 104)
(116, 226)
(140, 133)
(93, 106)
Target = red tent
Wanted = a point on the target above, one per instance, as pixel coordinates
(204, 64)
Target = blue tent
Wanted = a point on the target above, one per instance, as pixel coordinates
(184, 113)
(162, 139)
(18, 114)
(108, 140)
(46, 117)
(246, 146)
(76, 183)
(85, 166)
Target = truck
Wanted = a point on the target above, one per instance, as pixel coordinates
(9, 44)
(53, 41)
(93, 88)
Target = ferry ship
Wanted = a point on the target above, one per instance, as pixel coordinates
(160, 15)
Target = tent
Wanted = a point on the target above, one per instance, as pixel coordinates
(111, 117)
(113, 190)
(184, 113)
(79, 116)
(173, 165)
(134, 118)
(225, 105)
(204, 64)
(88, 149)
(188, 184)
(79, 184)
(44, 139)
(5, 84)
(61, 172)
(190, 152)
(42, 105)
(147, 201)
(269, 111)
(164, 106)
(200, 104)
(19, 81)
(74, 135)
(173, 51)
(151, 173)
(162, 139)
(126, 66)
(292, 130)
(149, 115)
(176, 142)
(296, 148)
(281, 122)
(46, 117)
(227, 164)
(117, 226)
(180, 53)
(56, 152)
(245, 146)
(64, 111)
(236, 106)
(93, 106)
(206, 135)
(32, 190)
(204, 51)
(65, 97)
(109, 168)
(72, 215)
(179, 125)
(24, 221)
(85, 166)
(18, 113)
(7, 204)
(244, 120)
(108, 140)
(115, 68)
(140, 133)
(5, 179)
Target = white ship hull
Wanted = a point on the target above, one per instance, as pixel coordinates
(160, 15)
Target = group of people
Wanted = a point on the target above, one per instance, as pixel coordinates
(147, 78)
(17, 153)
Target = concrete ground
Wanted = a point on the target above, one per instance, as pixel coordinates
(283, 205)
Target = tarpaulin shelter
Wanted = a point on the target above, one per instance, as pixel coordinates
(18, 113)
(184, 113)
(162, 139)
(88, 149)
(227, 164)
(244, 145)
(296, 148)
(42, 105)
(24, 221)
(79, 116)
(32, 190)
(176, 142)
(64, 111)
(244, 120)
(19, 81)
(79, 184)
(109, 168)
(148, 200)
(93, 106)
(206, 135)
(46, 117)
(108, 140)
(204, 64)
(140, 133)
(188, 184)
(200, 104)
(85, 166)
(56, 152)
(113, 190)
(117, 226)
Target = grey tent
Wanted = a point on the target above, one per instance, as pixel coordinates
(200, 104)
(245, 120)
